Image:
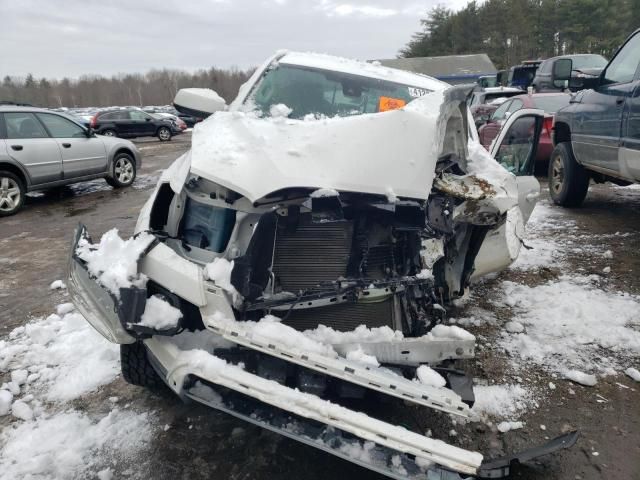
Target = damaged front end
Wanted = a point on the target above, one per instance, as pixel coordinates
(264, 251)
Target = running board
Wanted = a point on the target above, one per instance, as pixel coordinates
(385, 461)
(373, 378)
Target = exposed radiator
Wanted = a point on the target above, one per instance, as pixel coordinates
(313, 253)
(343, 317)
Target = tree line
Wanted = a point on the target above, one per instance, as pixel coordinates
(156, 87)
(511, 31)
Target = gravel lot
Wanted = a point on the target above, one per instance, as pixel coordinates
(594, 248)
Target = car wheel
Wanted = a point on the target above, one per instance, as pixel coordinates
(568, 180)
(124, 171)
(12, 193)
(164, 134)
(136, 368)
(109, 133)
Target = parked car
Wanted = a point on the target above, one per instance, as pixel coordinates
(547, 102)
(362, 210)
(521, 76)
(41, 149)
(190, 120)
(131, 123)
(597, 136)
(584, 65)
(177, 124)
(489, 94)
(487, 81)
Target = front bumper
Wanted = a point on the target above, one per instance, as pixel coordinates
(270, 406)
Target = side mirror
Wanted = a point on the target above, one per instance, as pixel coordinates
(89, 132)
(147, 119)
(198, 102)
(561, 72)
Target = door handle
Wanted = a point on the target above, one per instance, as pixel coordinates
(17, 148)
(66, 145)
(619, 100)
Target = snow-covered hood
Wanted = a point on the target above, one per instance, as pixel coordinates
(382, 153)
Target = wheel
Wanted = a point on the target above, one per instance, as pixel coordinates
(568, 180)
(12, 193)
(124, 171)
(136, 368)
(164, 134)
(109, 133)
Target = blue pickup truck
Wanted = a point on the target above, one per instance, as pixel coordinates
(597, 136)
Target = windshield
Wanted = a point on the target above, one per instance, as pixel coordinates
(308, 91)
(588, 61)
(551, 103)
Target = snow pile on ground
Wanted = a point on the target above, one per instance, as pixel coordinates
(633, 373)
(504, 427)
(571, 324)
(63, 356)
(543, 247)
(114, 261)
(159, 314)
(501, 401)
(69, 444)
(48, 362)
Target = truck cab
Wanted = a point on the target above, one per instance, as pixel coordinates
(598, 135)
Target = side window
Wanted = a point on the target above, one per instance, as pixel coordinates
(61, 127)
(138, 115)
(500, 112)
(623, 67)
(515, 106)
(516, 149)
(23, 125)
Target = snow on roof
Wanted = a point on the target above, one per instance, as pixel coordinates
(358, 67)
(445, 66)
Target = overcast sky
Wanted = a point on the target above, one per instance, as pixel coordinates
(75, 37)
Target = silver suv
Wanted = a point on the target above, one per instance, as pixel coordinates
(40, 149)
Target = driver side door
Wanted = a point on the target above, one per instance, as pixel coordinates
(515, 149)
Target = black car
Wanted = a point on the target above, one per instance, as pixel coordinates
(128, 123)
(584, 66)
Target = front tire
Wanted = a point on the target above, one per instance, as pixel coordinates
(12, 193)
(136, 368)
(568, 180)
(164, 134)
(123, 171)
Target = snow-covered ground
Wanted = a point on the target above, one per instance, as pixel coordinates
(49, 363)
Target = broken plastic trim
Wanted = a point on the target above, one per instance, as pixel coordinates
(501, 467)
(131, 304)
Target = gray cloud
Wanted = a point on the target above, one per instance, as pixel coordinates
(75, 37)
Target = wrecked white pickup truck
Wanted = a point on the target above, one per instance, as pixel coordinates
(304, 252)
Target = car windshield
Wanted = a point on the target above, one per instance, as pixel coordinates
(551, 103)
(588, 61)
(309, 91)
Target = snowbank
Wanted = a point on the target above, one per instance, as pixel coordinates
(571, 324)
(502, 401)
(65, 445)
